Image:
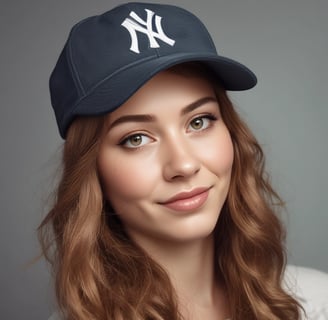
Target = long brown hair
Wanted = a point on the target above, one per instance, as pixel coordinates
(100, 274)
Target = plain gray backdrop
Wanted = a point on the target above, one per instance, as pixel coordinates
(285, 42)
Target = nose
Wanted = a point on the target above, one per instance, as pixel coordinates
(180, 161)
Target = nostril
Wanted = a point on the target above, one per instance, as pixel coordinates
(181, 169)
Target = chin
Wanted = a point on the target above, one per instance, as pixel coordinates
(199, 230)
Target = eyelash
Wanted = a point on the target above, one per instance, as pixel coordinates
(126, 140)
(210, 117)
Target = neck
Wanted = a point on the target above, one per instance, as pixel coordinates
(190, 267)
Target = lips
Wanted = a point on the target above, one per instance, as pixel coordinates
(187, 201)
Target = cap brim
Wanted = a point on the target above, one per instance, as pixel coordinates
(114, 90)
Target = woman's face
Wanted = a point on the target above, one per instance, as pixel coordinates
(166, 160)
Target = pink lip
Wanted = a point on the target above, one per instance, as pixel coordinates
(187, 201)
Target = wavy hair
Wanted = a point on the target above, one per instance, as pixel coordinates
(100, 274)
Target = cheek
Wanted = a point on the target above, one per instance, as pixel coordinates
(125, 179)
(218, 153)
(225, 153)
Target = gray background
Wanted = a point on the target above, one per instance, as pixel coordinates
(283, 41)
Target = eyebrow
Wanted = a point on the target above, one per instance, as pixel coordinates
(151, 118)
(197, 104)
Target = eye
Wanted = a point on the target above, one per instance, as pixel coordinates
(201, 123)
(135, 141)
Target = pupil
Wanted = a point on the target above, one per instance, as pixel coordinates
(197, 123)
(136, 140)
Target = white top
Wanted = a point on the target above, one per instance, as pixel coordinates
(309, 286)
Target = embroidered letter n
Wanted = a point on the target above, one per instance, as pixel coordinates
(137, 24)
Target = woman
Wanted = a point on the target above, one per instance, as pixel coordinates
(163, 210)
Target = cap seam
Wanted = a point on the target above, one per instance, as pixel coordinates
(74, 71)
(87, 93)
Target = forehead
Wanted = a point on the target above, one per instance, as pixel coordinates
(165, 90)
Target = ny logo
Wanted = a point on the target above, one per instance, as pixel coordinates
(145, 27)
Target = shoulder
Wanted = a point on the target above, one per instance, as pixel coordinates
(310, 287)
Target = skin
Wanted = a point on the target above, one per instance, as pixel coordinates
(180, 144)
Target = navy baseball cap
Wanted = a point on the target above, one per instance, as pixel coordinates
(109, 57)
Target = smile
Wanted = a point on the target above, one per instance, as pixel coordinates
(187, 201)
